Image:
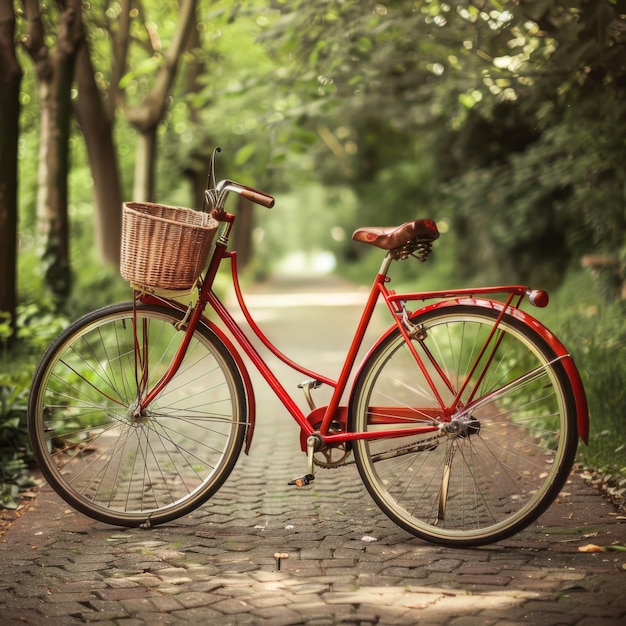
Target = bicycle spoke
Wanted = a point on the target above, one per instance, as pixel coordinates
(512, 386)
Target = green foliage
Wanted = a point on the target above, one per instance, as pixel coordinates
(14, 478)
(595, 332)
(14, 450)
(13, 401)
(95, 284)
(514, 110)
(36, 328)
(543, 207)
(5, 327)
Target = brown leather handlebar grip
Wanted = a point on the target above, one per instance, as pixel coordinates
(259, 197)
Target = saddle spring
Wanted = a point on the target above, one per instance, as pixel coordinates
(414, 248)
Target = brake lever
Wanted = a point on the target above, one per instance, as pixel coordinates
(211, 182)
(210, 194)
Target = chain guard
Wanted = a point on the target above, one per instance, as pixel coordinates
(331, 457)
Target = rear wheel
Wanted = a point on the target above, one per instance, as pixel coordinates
(485, 471)
(98, 453)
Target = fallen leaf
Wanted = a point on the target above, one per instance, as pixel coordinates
(590, 547)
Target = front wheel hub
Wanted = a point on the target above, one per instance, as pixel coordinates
(136, 416)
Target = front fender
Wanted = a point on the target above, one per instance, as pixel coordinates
(580, 398)
(249, 389)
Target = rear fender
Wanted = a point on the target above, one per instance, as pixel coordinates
(559, 349)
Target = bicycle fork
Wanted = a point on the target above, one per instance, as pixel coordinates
(145, 396)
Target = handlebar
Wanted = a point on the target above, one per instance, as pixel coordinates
(259, 197)
(216, 194)
(217, 197)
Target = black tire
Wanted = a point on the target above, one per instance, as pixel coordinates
(131, 470)
(489, 470)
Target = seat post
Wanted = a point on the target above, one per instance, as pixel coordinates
(384, 266)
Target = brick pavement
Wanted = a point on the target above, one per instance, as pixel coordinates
(347, 563)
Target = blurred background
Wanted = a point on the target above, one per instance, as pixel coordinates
(503, 121)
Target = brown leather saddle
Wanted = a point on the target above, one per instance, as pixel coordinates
(392, 237)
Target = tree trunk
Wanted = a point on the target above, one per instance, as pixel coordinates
(120, 42)
(146, 117)
(55, 72)
(97, 128)
(197, 167)
(10, 79)
(145, 160)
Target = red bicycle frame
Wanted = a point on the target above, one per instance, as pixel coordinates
(319, 420)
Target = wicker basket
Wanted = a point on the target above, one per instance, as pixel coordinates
(163, 246)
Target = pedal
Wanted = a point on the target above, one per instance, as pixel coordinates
(303, 481)
(308, 478)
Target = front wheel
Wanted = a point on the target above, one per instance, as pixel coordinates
(485, 469)
(96, 450)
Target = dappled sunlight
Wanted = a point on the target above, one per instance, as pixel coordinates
(312, 263)
(315, 598)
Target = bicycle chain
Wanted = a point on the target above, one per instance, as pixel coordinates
(424, 446)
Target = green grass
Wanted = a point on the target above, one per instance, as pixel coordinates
(594, 329)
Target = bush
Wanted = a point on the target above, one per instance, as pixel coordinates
(37, 325)
(13, 442)
(593, 328)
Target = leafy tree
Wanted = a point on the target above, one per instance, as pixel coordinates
(555, 190)
(481, 111)
(161, 63)
(225, 98)
(96, 121)
(134, 73)
(99, 63)
(55, 72)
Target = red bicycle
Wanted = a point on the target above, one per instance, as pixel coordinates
(463, 418)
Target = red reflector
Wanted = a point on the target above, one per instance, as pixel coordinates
(538, 297)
